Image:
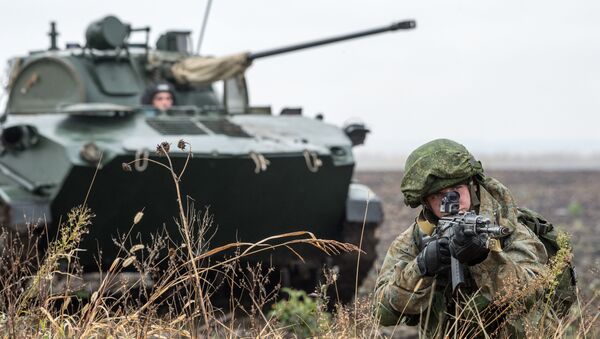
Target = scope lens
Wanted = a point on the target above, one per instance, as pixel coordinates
(450, 202)
(452, 196)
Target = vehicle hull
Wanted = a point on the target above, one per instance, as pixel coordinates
(246, 206)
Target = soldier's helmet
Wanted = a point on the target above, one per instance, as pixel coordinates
(153, 89)
(434, 166)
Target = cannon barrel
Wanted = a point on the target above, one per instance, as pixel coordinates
(408, 24)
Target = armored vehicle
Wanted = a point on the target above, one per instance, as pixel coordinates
(73, 110)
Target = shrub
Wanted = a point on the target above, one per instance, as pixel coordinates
(300, 314)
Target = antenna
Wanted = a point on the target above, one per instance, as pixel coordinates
(53, 34)
(204, 21)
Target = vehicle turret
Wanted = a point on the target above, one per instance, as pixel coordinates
(110, 68)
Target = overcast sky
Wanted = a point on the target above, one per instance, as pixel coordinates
(506, 76)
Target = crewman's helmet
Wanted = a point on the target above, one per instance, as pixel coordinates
(153, 89)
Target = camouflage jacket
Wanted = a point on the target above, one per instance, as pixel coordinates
(403, 294)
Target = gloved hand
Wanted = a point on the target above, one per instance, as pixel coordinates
(468, 249)
(435, 257)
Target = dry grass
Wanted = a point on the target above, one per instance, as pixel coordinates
(137, 297)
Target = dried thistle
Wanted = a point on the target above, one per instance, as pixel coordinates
(163, 148)
(129, 261)
(138, 217)
(126, 167)
(181, 144)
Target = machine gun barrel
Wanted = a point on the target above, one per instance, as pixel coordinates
(408, 24)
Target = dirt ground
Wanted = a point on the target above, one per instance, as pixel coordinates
(569, 199)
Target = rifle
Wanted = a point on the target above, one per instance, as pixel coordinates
(472, 224)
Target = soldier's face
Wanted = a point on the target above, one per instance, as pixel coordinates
(162, 101)
(435, 200)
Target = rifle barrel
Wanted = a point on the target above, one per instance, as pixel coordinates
(495, 230)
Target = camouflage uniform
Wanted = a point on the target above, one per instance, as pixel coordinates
(402, 292)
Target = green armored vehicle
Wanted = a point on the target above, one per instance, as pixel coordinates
(261, 173)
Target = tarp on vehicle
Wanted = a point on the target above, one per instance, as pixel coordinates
(199, 71)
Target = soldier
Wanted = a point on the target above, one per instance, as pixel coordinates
(413, 285)
(161, 96)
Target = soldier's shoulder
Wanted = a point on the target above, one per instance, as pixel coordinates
(407, 233)
(405, 240)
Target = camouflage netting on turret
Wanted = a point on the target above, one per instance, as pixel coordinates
(200, 71)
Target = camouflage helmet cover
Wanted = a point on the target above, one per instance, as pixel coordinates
(434, 166)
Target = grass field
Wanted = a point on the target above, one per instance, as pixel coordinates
(177, 302)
